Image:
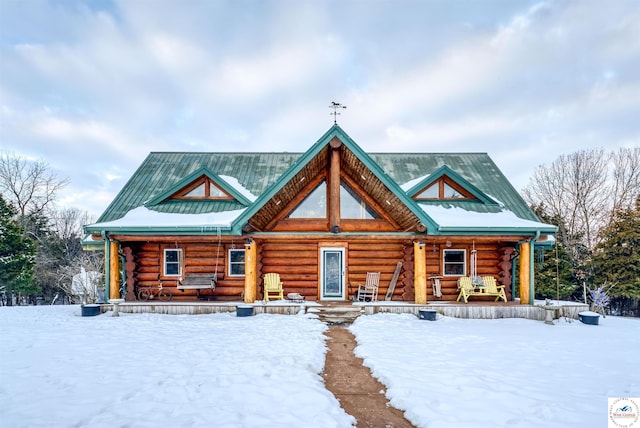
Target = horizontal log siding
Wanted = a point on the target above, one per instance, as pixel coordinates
(197, 258)
(380, 257)
(489, 257)
(297, 264)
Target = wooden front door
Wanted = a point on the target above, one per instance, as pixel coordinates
(332, 274)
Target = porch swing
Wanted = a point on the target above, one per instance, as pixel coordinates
(202, 281)
(475, 285)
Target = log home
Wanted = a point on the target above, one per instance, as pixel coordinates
(320, 219)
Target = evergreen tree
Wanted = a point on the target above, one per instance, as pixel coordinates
(49, 254)
(555, 271)
(554, 277)
(17, 255)
(616, 259)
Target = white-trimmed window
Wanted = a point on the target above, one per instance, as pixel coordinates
(454, 262)
(236, 262)
(172, 262)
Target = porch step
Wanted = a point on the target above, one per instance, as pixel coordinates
(337, 314)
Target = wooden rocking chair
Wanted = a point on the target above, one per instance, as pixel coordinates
(273, 287)
(368, 292)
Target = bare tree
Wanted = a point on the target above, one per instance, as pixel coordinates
(626, 178)
(83, 280)
(67, 223)
(574, 188)
(30, 186)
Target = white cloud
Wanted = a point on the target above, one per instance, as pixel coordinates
(110, 82)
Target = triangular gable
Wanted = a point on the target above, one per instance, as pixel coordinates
(446, 172)
(192, 179)
(266, 199)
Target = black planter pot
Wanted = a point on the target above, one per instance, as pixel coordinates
(244, 311)
(427, 314)
(589, 317)
(90, 310)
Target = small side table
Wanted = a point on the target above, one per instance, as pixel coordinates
(116, 304)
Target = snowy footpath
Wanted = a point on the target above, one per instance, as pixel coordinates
(58, 369)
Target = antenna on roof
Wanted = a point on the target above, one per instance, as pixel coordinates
(335, 106)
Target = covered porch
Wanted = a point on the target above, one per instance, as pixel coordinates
(471, 310)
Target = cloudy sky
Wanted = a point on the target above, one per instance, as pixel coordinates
(91, 87)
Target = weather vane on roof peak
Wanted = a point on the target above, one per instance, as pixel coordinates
(335, 106)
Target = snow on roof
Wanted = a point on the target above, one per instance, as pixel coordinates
(409, 184)
(144, 217)
(233, 182)
(459, 217)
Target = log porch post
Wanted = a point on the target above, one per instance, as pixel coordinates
(420, 273)
(525, 273)
(250, 268)
(114, 270)
(334, 186)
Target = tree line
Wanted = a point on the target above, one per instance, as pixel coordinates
(593, 196)
(40, 244)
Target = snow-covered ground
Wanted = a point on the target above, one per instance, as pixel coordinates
(58, 369)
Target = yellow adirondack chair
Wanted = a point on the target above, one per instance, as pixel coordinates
(466, 288)
(368, 292)
(273, 287)
(493, 289)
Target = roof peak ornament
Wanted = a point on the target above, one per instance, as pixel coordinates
(335, 106)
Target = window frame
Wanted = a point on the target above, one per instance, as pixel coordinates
(211, 191)
(178, 262)
(231, 263)
(439, 185)
(463, 263)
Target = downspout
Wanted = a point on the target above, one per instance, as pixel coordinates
(532, 266)
(514, 281)
(107, 261)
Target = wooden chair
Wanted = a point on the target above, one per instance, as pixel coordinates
(490, 288)
(466, 288)
(368, 292)
(493, 289)
(273, 287)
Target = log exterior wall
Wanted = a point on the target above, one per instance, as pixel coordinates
(297, 262)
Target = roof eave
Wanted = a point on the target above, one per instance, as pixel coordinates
(161, 230)
(495, 230)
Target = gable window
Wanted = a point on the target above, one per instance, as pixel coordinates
(236, 262)
(352, 206)
(203, 188)
(172, 262)
(454, 262)
(314, 205)
(444, 188)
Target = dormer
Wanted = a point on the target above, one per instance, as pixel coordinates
(444, 184)
(202, 185)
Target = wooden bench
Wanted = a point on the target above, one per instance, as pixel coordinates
(198, 281)
(490, 288)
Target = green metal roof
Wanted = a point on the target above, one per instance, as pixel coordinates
(162, 171)
(477, 168)
(262, 174)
